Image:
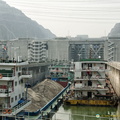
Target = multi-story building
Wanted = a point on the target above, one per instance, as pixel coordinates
(27, 49)
(90, 74)
(12, 88)
(64, 49)
(17, 49)
(58, 49)
(61, 73)
(91, 48)
(90, 86)
(77, 48)
(37, 51)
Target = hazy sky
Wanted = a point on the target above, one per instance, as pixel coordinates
(72, 17)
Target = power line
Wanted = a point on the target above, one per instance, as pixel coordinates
(69, 11)
(64, 1)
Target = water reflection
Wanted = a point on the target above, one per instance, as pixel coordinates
(84, 112)
(118, 112)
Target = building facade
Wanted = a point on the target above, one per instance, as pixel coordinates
(18, 49)
(113, 49)
(72, 49)
(90, 78)
(63, 49)
(37, 51)
(3, 51)
(91, 48)
(27, 49)
(58, 49)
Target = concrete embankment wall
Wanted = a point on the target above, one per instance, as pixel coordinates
(114, 76)
(38, 73)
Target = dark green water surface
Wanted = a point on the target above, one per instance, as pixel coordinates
(85, 113)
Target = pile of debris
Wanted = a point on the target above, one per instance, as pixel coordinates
(42, 93)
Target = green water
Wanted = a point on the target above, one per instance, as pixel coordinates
(83, 113)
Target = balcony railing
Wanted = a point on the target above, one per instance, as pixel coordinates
(17, 108)
(25, 76)
(90, 88)
(7, 74)
(58, 76)
(87, 78)
(5, 92)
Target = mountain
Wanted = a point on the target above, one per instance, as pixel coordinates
(115, 31)
(15, 24)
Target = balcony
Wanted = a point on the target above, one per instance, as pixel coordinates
(90, 88)
(24, 77)
(5, 93)
(87, 78)
(7, 77)
(94, 69)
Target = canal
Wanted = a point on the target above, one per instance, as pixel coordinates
(66, 112)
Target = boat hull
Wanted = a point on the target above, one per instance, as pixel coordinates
(91, 102)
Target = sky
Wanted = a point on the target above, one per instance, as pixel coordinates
(94, 18)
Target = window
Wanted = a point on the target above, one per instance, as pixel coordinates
(16, 68)
(15, 97)
(20, 68)
(16, 83)
(19, 96)
(12, 100)
(21, 80)
(22, 94)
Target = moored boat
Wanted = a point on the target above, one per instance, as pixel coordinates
(60, 73)
(13, 93)
(90, 86)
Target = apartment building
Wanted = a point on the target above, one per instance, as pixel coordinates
(37, 51)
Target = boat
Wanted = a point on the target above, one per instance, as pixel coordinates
(60, 73)
(90, 86)
(13, 90)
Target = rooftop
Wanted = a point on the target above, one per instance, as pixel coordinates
(13, 63)
(91, 60)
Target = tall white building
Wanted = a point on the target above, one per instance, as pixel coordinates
(17, 49)
(58, 49)
(37, 51)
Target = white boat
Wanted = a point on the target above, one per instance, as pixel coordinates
(90, 85)
(13, 93)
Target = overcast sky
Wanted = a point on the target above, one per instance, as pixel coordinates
(94, 18)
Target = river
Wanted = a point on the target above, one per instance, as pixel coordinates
(85, 113)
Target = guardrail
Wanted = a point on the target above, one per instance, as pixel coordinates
(7, 74)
